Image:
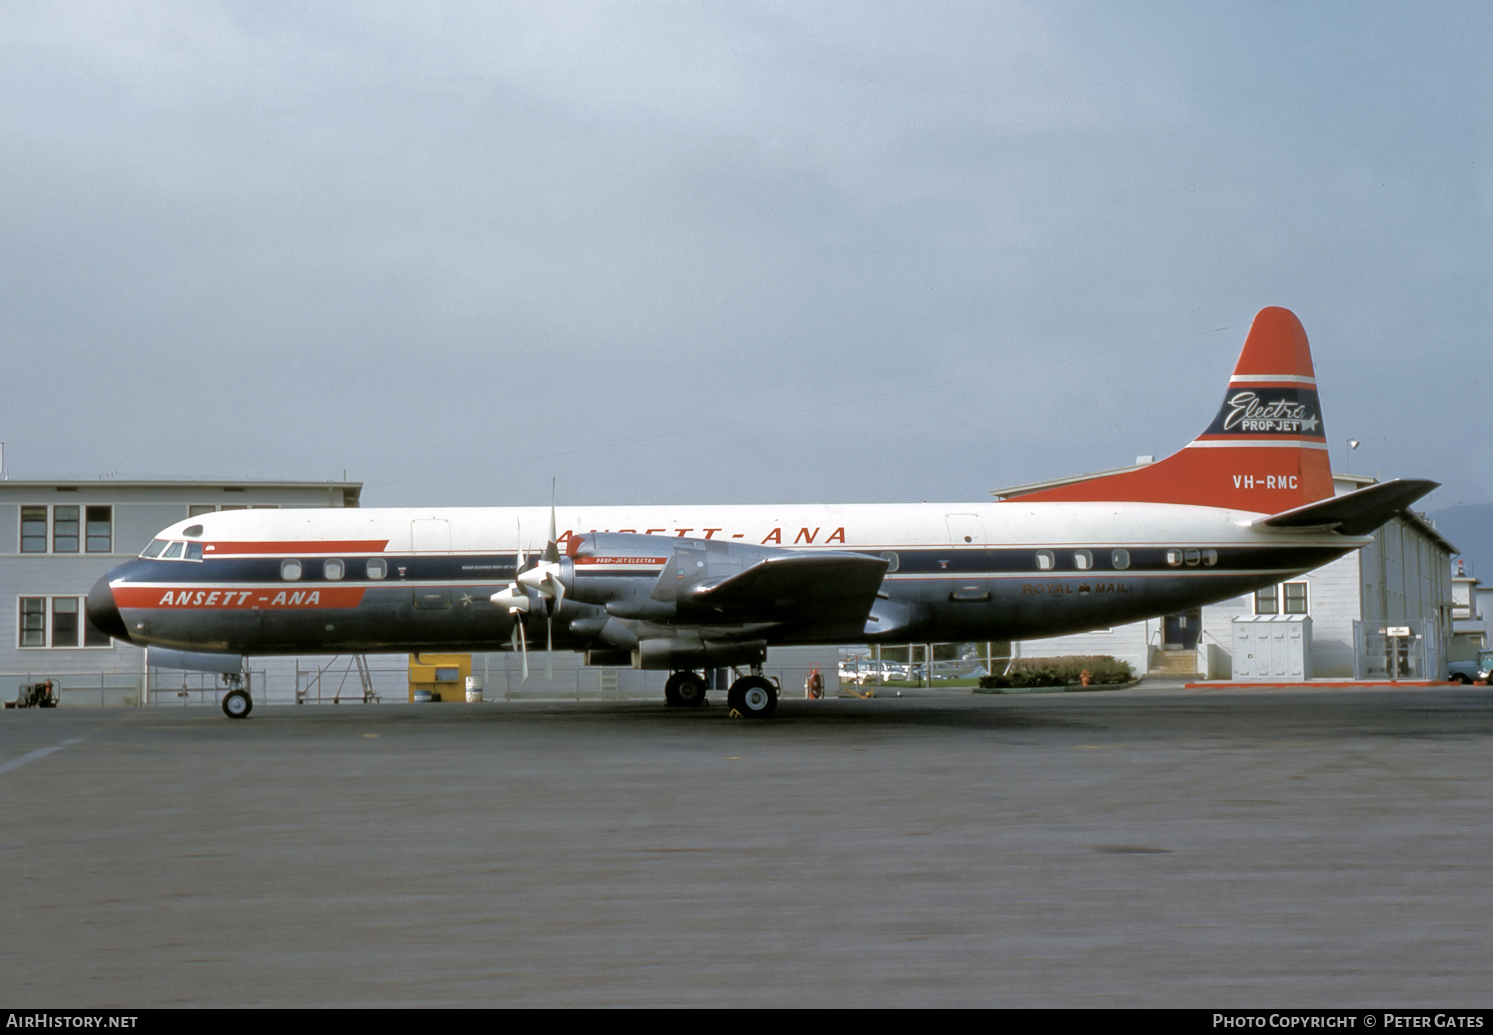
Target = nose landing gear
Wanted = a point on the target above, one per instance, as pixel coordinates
(237, 704)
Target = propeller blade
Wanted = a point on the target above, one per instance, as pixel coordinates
(518, 624)
(549, 649)
(552, 547)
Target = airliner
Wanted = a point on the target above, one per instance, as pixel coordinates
(1248, 503)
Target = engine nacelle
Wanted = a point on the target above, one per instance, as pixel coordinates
(687, 651)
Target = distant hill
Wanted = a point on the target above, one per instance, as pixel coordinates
(1470, 529)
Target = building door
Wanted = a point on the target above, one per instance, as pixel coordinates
(1181, 631)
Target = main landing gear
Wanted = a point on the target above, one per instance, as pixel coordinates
(752, 697)
(685, 690)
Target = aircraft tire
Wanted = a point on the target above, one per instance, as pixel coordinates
(753, 697)
(691, 690)
(685, 690)
(237, 704)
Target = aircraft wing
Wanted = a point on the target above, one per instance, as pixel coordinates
(1356, 513)
(818, 585)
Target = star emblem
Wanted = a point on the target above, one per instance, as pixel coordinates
(1311, 425)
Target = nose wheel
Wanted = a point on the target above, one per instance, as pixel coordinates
(685, 690)
(753, 697)
(237, 704)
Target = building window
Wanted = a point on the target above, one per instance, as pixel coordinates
(69, 534)
(64, 529)
(100, 530)
(33, 529)
(194, 509)
(1295, 598)
(1265, 601)
(65, 621)
(33, 621)
(57, 622)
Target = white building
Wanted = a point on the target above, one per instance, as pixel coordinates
(1402, 579)
(1471, 603)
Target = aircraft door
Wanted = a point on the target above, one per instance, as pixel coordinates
(967, 563)
(430, 535)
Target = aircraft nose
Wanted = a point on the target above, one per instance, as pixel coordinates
(103, 613)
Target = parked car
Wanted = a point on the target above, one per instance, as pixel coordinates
(1467, 672)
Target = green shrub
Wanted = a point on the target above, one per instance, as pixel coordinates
(1025, 672)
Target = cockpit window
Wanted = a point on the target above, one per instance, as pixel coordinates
(154, 549)
(192, 530)
(194, 551)
(174, 550)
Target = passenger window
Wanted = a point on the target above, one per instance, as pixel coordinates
(332, 569)
(290, 570)
(1120, 559)
(1192, 557)
(155, 548)
(1045, 561)
(1083, 560)
(1174, 558)
(1210, 557)
(377, 567)
(172, 551)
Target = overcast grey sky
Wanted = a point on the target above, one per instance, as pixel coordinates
(731, 252)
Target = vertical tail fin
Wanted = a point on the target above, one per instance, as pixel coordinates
(1265, 452)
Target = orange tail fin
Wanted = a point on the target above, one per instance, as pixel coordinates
(1265, 452)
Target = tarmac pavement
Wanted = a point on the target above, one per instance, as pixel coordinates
(1156, 846)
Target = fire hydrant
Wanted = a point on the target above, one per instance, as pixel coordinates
(1083, 677)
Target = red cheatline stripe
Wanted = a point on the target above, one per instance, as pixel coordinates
(236, 597)
(294, 546)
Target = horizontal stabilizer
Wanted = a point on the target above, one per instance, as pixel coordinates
(1357, 513)
(821, 585)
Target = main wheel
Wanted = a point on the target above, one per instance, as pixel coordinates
(753, 697)
(237, 704)
(685, 690)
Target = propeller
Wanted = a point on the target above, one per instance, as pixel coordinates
(516, 599)
(543, 579)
